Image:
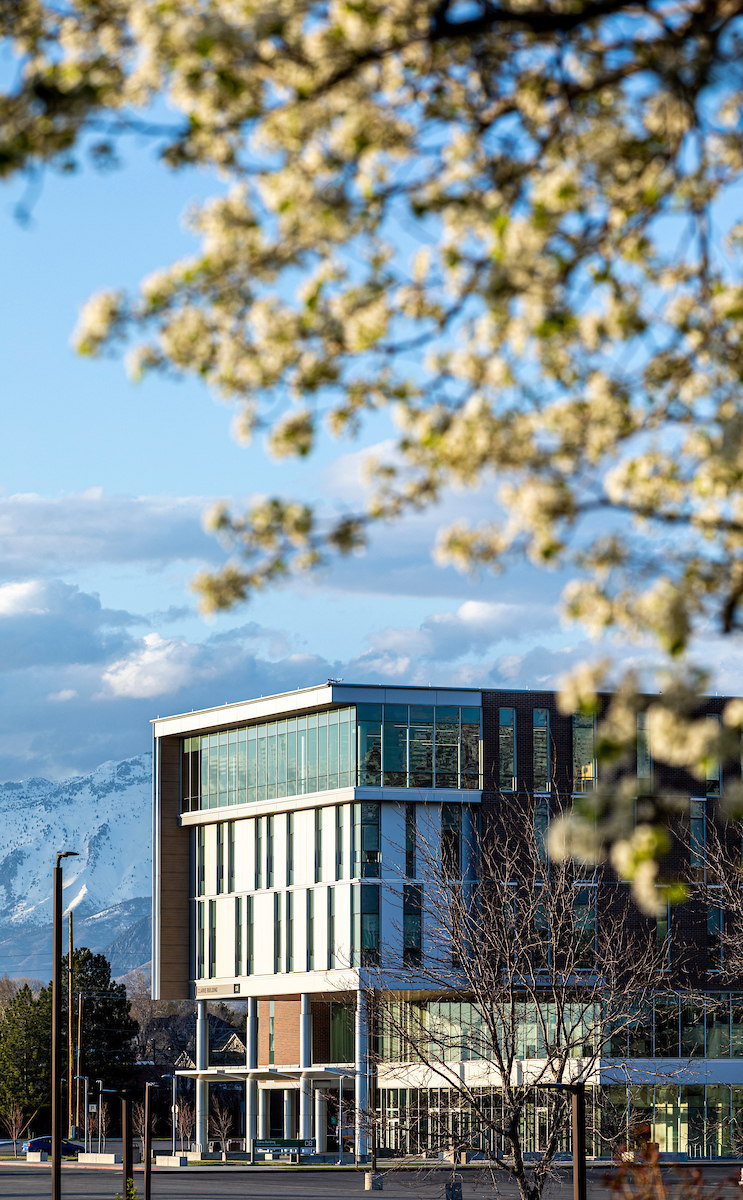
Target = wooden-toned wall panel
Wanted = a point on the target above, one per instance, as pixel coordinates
(175, 876)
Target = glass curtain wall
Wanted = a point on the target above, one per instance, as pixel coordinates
(395, 745)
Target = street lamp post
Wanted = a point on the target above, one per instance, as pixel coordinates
(578, 1097)
(57, 1026)
(85, 1103)
(147, 1142)
(173, 1107)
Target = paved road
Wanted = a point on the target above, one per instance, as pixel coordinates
(18, 1183)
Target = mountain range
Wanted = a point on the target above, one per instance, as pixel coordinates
(106, 817)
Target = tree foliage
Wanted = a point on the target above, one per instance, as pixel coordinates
(25, 1051)
(513, 232)
(109, 1029)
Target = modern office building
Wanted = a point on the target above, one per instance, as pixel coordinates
(283, 829)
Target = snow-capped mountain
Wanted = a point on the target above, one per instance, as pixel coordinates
(106, 817)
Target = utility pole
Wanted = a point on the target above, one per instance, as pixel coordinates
(57, 1026)
(79, 1076)
(148, 1142)
(127, 1155)
(70, 1027)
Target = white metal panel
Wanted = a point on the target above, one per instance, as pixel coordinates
(280, 851)
(263, 933)
(393, 840)
(328, 844)
(300, 929)
(225, 936)
(210, 860)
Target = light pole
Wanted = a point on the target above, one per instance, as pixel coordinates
(100, 1101)
(147, 1142)
(85, 1115)
(173, 1107)
(57, 1026)
(578, 1097)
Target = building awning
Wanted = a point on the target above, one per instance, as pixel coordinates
(318, 1075)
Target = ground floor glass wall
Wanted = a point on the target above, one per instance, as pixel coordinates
(698, 1121)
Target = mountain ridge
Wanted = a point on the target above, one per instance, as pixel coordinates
(104, 815)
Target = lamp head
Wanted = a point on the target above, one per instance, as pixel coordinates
(66, 854)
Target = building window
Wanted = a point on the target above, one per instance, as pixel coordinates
(290, 931)
(200, 860)
(644, 755)
(714, 774)
(310, 930)
(662, 938)
(541, 826)
(339, 821)
(697, 837)
(410, 841)
(277, 939)
(366, 925)
(311, 753)
(269, 850)
(200, 940)
(231, 857)
(541, 749)
(366, 840)
(271, 1034)
(331, 929)
(318, 845)
(289, 849)
(259, 853)
(395, 745)
(220, 857)
(412, 924)
(584, 927)
(238, 936)
(507, 749)
(584, 753)
(715, 928)
(341, 1033)
(419, 746)
(212, 938)
(249, 907)
(451, 840)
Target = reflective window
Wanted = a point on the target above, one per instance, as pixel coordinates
(412, 924)
(541, 749)
(507, 749)
(644, 758)
(366, 925)
(366, 840)
(398, 745)
(584, 753)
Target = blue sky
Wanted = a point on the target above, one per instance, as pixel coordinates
(102, 486)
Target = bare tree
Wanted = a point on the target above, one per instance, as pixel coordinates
(542, 969)
(12, 1121)
(222, 1118)
(104, 1118)
(186, 1121)
(138, 1121)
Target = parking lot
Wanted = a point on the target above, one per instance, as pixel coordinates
(208, 1183)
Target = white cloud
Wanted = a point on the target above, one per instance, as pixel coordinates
(65, 694)
(23, 598)
(159, 666)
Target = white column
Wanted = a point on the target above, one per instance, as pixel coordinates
(321, 1121)
(202, 1085)
(361, 1136)
(251, 1062)
(290, 1130)
(305, 1061)
(264, 1112)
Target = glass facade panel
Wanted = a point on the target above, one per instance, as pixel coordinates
(397, 745)
(412, 924)
(584, 753)
(541, 771)
(507, 749)
(644, 759)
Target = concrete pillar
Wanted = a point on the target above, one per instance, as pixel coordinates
(264, 1112)
(360, 1039)
(305, 1061)
(251, 1062)
(202, 1085)
(321, 1121)
(290, 1124)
